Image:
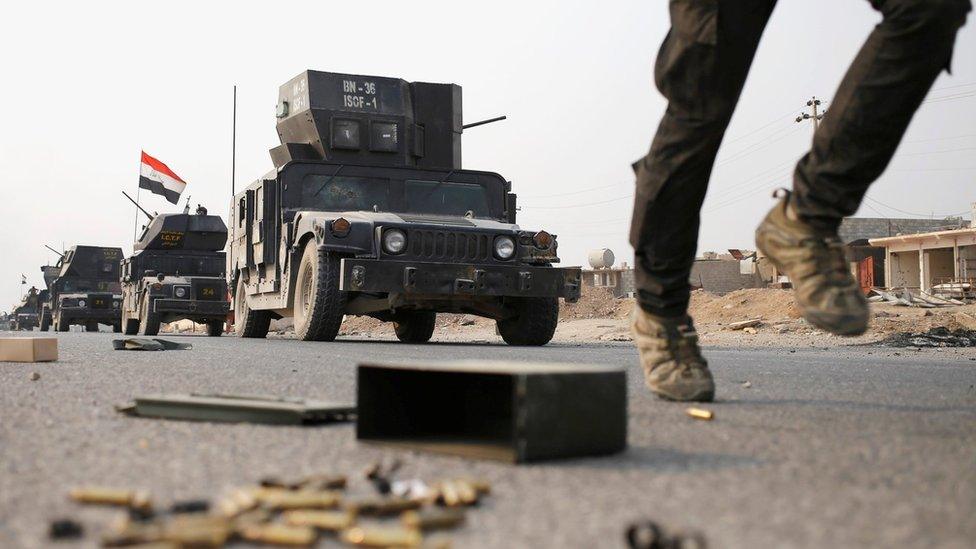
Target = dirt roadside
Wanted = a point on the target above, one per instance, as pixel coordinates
(600, 317)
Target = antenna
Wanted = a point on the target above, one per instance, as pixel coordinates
(483, 122)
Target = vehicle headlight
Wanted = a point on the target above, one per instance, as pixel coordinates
(504, 247)
(394, 241)
(115, 304)
(180, 291)
(82, 303)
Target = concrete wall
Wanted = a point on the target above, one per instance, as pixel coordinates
(904, 270)
(722, 276)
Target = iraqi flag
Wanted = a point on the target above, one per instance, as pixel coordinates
(158, 178)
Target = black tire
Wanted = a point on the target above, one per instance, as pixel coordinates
(247, 321)
(414, 326)
(149, 320)
(91, 326)
(319, 304)
(534, 322)
(117, 327)
(215, 328)
(45, 323)
(62, 325)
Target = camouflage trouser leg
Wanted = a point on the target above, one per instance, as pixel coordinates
(700, 69)
(873, 106)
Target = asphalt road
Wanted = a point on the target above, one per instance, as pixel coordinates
(831, 448)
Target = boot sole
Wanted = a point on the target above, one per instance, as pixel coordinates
(834, 327)
(705, 395)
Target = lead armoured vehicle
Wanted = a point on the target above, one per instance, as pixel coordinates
(176, 272)
(86, 290)
(368, 212)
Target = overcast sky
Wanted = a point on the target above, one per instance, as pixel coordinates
(86, 88)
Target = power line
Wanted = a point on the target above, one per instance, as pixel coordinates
(943, 151)
(580, 205)
(581, 191)
(929, 215)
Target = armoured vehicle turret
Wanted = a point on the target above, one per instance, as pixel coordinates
(86, 290)
(369, 212)
(176, 272)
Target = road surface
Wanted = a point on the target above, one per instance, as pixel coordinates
(844, 447)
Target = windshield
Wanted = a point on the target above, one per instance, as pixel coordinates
(456, 195)
(345, 193)
(88, 285)
(447, 198)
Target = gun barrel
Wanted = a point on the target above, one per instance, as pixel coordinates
(483, 122)
(141, 209)
(53, 250)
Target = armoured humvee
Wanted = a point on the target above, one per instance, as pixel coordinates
(24, 316)
(86, 290)
(50, 273)
(176, 272)
(368, 212)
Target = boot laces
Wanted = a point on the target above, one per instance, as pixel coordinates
(829, 258)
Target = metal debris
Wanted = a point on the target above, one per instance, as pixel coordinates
(148, 344)
(648, 535)
(700, 413)
(65, 529)
(238, 408)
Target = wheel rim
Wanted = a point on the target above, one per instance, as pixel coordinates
(305, 292)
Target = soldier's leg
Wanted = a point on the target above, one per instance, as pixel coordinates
(859, 134)
(700, 69)
(873, 106)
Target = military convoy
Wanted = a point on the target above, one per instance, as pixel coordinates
(86, 290)
(176, 272)
(368, 212)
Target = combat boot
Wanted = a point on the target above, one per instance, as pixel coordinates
(826, 292)
(674, 367)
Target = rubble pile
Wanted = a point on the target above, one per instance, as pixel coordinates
(934, 337)
(382, 512)
(596, 303)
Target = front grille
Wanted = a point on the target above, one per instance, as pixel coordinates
(448, 246)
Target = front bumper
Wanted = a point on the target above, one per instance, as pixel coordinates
(191, 307)
(107, 316)
(376, 275)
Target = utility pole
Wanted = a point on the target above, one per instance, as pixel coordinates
(817, 116)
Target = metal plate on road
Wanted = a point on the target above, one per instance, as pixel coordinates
(239, 409)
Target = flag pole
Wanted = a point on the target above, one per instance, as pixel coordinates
(135, 223)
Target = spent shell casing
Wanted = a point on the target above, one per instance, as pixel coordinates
(301, 499)
(467, 492)
(433, 519)
(333, 521)
(448, 494)
(197, 530)
(280, 534)
(324, 482)
(127, 533)
(483, 487)
(382, 506)
(236, 503)
(382, 537)
(109, 496)
(700, 413)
